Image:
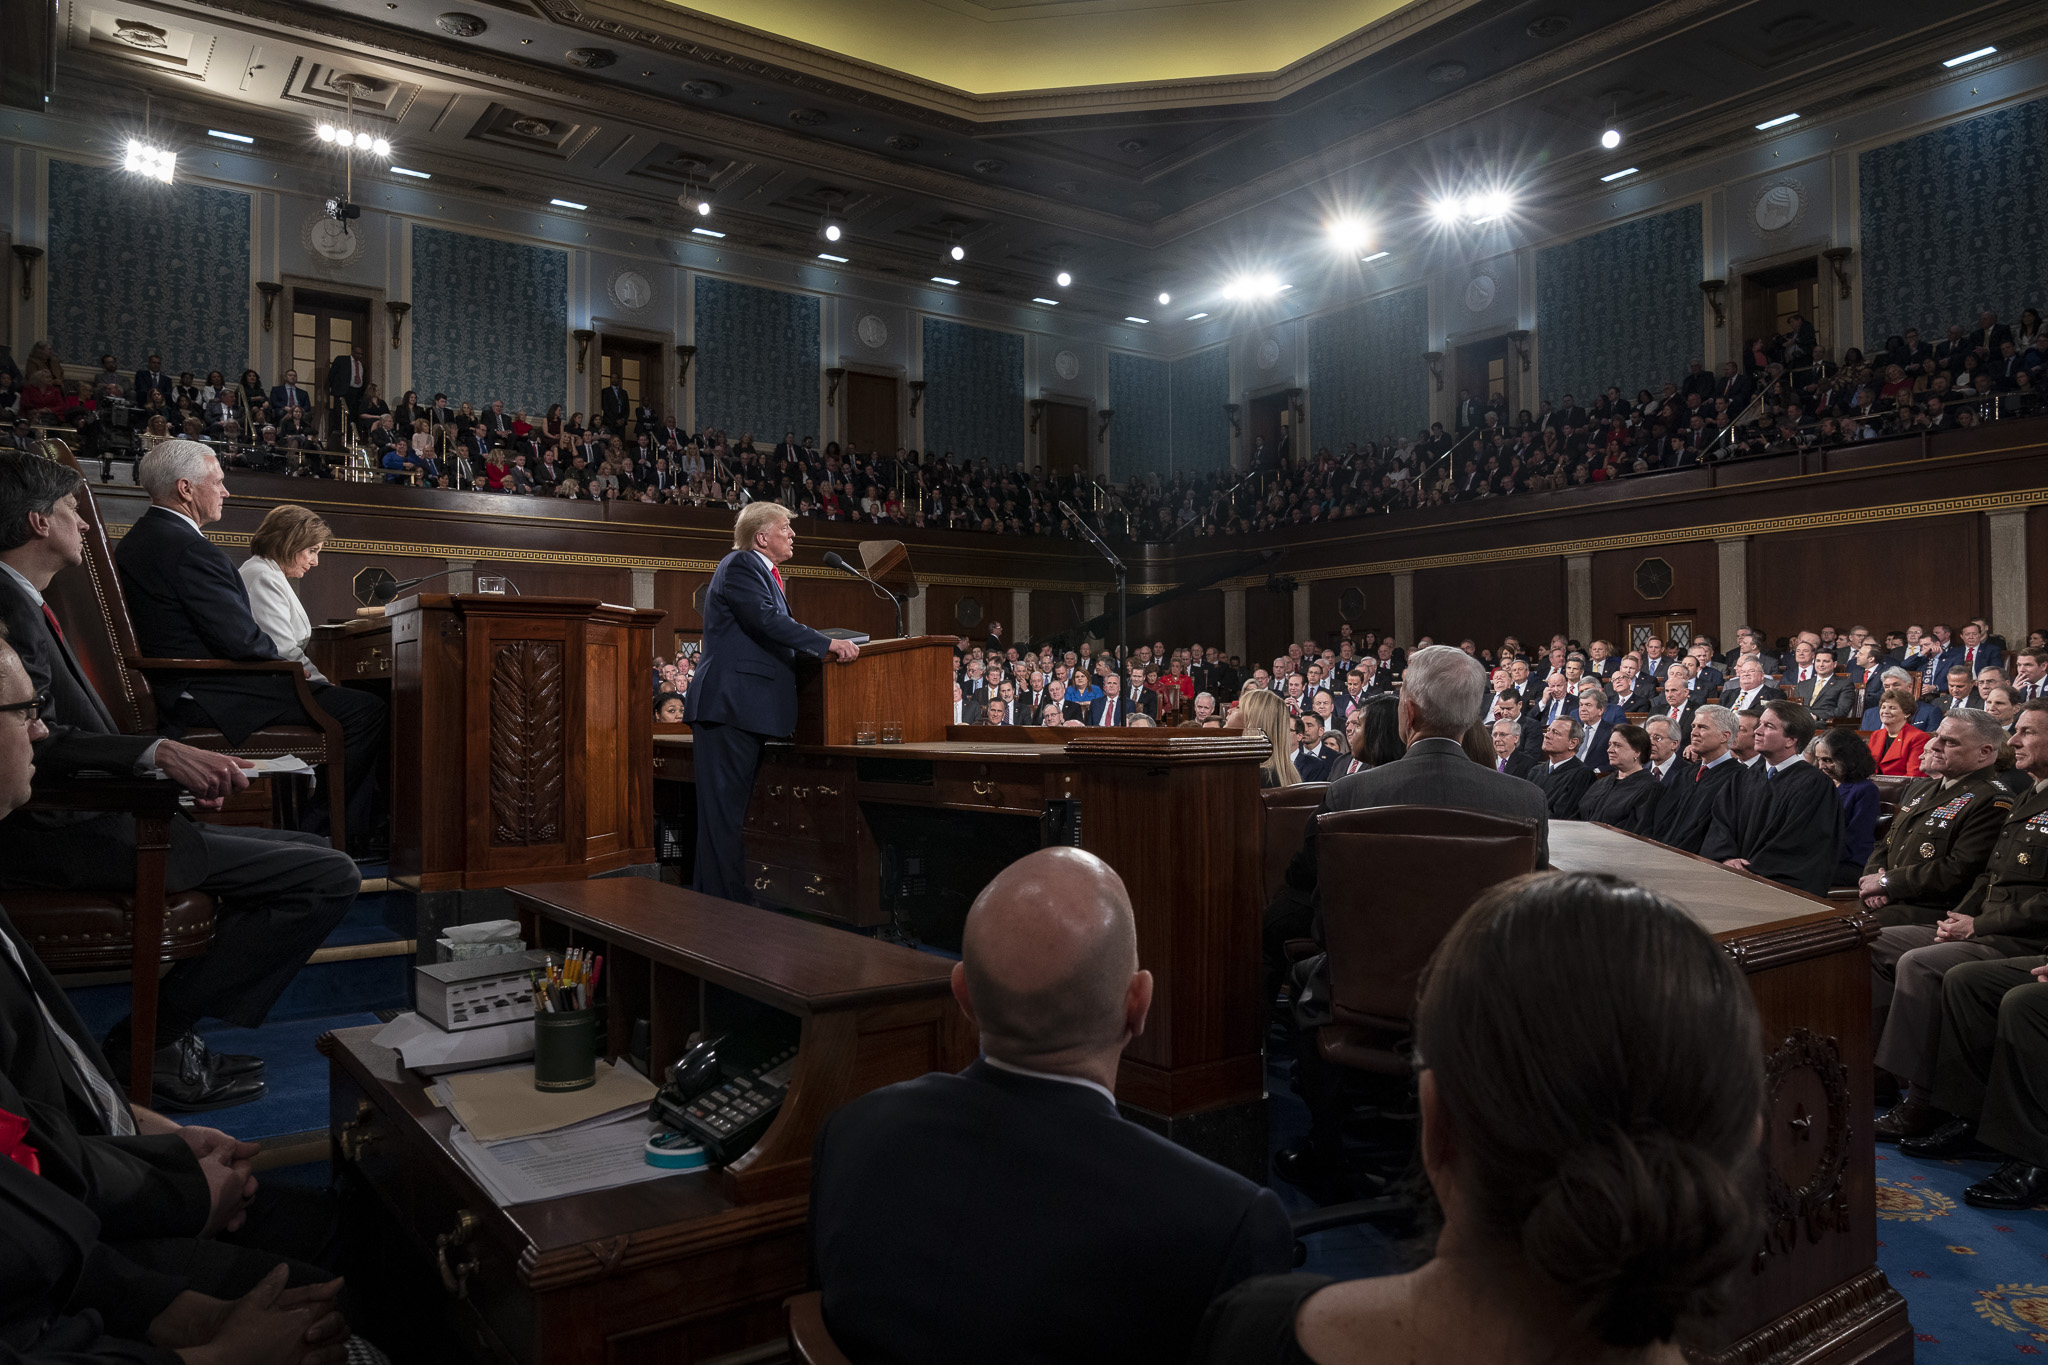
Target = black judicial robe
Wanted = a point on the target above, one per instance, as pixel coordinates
(1686, 810)
(1788, 827)
(1561, 786)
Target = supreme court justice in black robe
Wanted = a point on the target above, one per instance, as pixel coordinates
(1684, 811)
(1782, 819)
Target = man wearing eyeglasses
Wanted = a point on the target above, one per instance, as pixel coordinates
(279, 892)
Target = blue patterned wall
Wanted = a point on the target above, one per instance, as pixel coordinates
(136, 267)
(1198, 386)
(1141, 442)
(974, 394)
(757, 360)
(1952, 224)
(1366, 376)
(489, 320)
(1620, 306)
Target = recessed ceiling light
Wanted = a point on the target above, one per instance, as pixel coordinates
(1063, 279)
(1194, 317)
(1970, 56)
(1050, 303)
(568, 204)
(1611, 139)
(957, 252)
(248, 141)
(1376, 256)
(1617, 175)
(941, 279)
(828, 256)
(1165, 299)
(1140, 321)
(1773, 123)
(706, 232)
(417, 175)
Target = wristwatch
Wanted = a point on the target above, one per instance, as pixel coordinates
(1884, 881)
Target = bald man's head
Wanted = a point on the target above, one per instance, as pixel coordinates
(1049, 962)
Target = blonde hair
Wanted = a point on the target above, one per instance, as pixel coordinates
(1266, 713)
(753, 519)
(287, 531)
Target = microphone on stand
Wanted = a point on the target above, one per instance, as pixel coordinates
(832, 560)
(386, 596)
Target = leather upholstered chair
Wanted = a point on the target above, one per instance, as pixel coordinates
(1287, 813)
(1890, 787)
(1393, 880)
(89, 604)
(809, 1342)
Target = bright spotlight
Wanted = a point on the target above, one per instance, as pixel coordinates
(1164, 299)
(364, 142)
(1611, 139)
(957, 252)
(1448, 211)
(832, 233)
(1246, 288)
(381, 147)
(703, 208)
(1063, 279)
(153, 162)
(1350, 235)
(327, 133)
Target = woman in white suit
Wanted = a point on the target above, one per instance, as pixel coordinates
(285, 547)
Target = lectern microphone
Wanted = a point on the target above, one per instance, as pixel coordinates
(832, 560)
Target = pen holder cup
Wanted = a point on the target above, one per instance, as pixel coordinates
(565, 1050)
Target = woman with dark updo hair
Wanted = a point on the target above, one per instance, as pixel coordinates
(1591, 1088)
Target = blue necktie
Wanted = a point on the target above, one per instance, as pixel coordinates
(1770, 773)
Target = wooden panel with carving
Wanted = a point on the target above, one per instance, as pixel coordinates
(604, 739)
(526, 742)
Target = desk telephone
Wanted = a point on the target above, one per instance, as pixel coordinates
(725, 1103)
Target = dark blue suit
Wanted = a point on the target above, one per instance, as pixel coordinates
(1125, 707)
(743, 694)
(160, 382)
(284, 396)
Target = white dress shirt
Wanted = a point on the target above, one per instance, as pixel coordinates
(278, 611)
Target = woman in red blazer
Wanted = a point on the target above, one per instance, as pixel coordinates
(1896, 745)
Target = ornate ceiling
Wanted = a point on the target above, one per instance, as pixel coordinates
(1140, 143)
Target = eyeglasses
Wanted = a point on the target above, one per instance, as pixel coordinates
(32, 709)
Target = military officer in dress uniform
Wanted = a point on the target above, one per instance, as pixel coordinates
(1944, 828)
(1994, 1031)
(2004, 915)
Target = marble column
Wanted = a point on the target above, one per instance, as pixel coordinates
(1578, 598)
(1233, 622)
(1019, 629)
(1404, 608)
(1734, 577)
(643, 588)
(2009, 605)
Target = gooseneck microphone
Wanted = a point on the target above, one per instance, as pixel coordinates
(832, 560)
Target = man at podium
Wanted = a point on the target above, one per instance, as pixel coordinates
(744, 691)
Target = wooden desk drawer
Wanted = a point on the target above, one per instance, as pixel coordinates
(796, 887)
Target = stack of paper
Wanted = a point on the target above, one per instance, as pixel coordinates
(523, 1144)
(431, 1051)
(500, 1104)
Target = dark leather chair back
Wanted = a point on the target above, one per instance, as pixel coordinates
(1394, 879)
(88, 601)
(1287, 813)
(1890, 789)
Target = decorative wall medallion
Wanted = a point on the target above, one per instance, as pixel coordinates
(460, 25)
(1351, 604)
(1653, 579)
(1067, 366)
(135, 33)
(1806, 1141)
(967, 613)
(1778, 206)
(1269, 353)
(704, 90)
(872, 331)
(329, 241)
(1479, 293)
(631, 289)
(590, 58)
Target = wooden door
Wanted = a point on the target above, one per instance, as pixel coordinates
(636, 367)
(1268, 416)
(871, 413)
(1066, 436)
(323, 327)
(1483, 368)
(1674, 630)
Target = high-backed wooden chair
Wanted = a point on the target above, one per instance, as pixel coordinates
(809, 1342)
(89, 604)
(1287, 813)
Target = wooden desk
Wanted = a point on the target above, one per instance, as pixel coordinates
(1814, 1293)
(357, 651)
(1176, 812)
(680, 1269)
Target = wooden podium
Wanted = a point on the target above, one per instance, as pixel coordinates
(907, 681)
(520, 729)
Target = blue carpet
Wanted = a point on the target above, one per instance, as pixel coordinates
(1975, 1281)
(1341, 1253)
(295, 1098)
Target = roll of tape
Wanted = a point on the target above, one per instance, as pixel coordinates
(674, 1152)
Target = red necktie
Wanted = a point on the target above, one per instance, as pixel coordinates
(55, 629)
(1970, 659)
(777, 574)
(1698, 773)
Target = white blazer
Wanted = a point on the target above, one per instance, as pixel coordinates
(278, 611)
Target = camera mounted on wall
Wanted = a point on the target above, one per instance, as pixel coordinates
(341, 211)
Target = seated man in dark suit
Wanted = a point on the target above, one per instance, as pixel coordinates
(1009, 1213)
(1827, 693)
(1683, 815)
(279, 892)
(1750, 688)
(188, 602)
(1679, 705)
